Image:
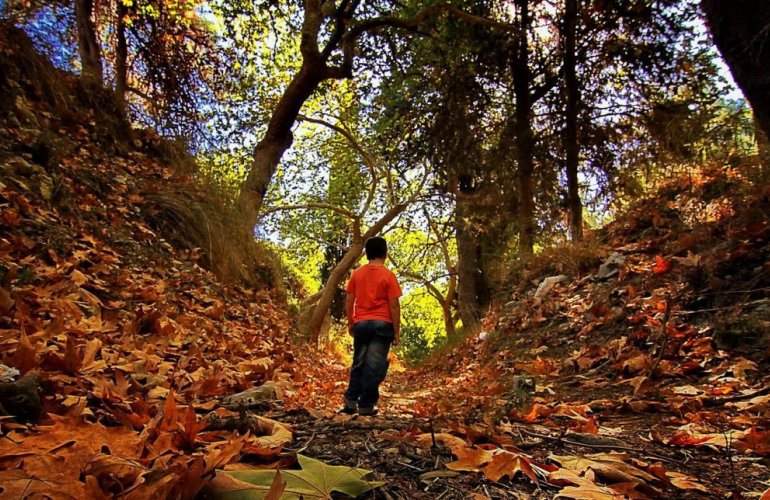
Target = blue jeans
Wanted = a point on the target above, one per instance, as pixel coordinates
(372, 339)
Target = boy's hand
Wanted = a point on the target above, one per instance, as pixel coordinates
(397, 339)
(351, 332)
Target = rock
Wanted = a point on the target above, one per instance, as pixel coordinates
(23, 113)
(19, 166)
(21, 399)
(29, 176)
(547, 285)
(252, 397)
(611, 267)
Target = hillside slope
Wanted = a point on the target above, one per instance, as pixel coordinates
(129, 334)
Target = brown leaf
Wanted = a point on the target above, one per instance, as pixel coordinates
(509, 464)
(685, 482)
(583, 489)
(470, 459)
(6, 301)
(277, 488)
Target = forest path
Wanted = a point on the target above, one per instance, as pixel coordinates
(431, 416)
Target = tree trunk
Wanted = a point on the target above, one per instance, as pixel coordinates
(763, 147)
(473, 290)
(333, 254)
(88, 45)
(121, 56)
(277, 139)
(336, 278)
(450, 320)
(524, 137)
(740, 32)
(572, 98)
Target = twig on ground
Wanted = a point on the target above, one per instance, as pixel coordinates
(726, 432)
(432, 433)
(597, 446)
(664, 342)
(739, 397)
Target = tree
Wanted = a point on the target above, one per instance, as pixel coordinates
(88, 44)
(572, 103)
(316, 307)
(423, 253)
(740, 32)
(328, 39)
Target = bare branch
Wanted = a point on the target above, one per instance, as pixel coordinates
(312, 206)
(369, 160)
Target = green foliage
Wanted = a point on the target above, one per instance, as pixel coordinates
(423, 312)
(414, 344)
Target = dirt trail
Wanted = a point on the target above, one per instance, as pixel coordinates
(423, 404)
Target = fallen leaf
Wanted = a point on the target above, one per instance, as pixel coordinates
(611, 467)
(509, 464)
(470, 459)
(315, 480)
(685, 482)
(661, 265)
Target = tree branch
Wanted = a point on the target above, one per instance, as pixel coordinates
(311, 206)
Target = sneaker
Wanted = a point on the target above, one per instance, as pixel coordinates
(350, 407)
(368, 412)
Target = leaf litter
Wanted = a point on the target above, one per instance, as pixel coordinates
(649, 380)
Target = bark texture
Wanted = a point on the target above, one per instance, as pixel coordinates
(741, 32)
(474, 292)
(88, 44)
(524, 136)
(121, 55)
(572, 103)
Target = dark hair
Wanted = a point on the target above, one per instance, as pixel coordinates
(376, 248)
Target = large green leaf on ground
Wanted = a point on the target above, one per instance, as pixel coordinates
(316, 480)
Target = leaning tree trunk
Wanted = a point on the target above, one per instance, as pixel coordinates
(524, 139)
(88, 45)
(572, 98)
(741, 32)
(337, 275)
(277, 139)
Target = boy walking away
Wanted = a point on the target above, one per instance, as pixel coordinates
(374, 321)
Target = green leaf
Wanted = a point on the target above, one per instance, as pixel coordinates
(315, 480)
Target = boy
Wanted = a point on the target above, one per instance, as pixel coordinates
(374, 322)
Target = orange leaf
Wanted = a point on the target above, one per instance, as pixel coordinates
(683, 438)
(170, 417)
(538, 410)
(756, 441)
(508, 464)
(662, 265)
(469, 458)
(276, 489)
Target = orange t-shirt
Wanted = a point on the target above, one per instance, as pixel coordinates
(372, 287)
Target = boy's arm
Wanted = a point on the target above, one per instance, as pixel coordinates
(395, 314)
(350, 301)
